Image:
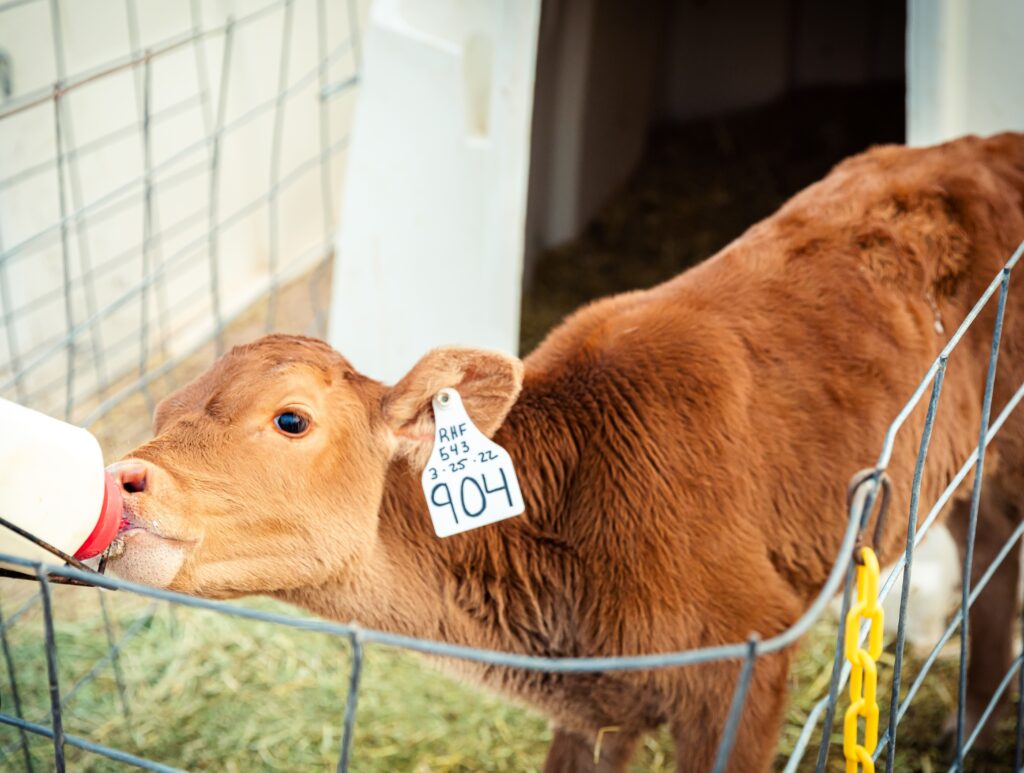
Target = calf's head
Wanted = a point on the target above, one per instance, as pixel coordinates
(266, 473)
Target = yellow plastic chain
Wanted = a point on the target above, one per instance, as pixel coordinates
(864, 673)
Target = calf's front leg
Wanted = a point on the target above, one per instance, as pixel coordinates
(572, 752)
(993, 616)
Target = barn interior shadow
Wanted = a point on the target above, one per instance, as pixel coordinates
(699, 186)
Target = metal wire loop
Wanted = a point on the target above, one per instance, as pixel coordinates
(869, 477)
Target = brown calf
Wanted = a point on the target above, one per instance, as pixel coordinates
(683, 453)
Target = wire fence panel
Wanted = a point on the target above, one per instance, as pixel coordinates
(858, 517)
(130, 192)
(168, 180)
(748, 652)
(168, 174)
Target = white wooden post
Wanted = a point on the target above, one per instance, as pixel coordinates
(965, 68)
(430, 244)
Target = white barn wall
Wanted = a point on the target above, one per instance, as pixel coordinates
(109, 239)
(431, 239)
(965, 68)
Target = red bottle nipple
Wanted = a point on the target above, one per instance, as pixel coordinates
(108, 523)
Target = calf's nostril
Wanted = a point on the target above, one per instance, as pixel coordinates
(135, 486)
(132, 477)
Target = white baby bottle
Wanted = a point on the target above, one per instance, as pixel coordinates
(53, 485)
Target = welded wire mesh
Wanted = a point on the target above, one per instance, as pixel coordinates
(169, 175)
(195, 217)
(151, 197)
(748, 652)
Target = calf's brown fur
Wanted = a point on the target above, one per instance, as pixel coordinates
(683, 453)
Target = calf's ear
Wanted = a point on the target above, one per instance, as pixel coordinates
(488, 382)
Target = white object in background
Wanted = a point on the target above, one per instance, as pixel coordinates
(431, 241)
(53, 485)
(964, 69)
(934, 582)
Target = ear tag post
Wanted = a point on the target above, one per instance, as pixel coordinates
(469, 480)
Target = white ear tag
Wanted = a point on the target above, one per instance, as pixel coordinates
(469, 480)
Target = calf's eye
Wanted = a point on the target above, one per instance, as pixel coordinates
(291, 423)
